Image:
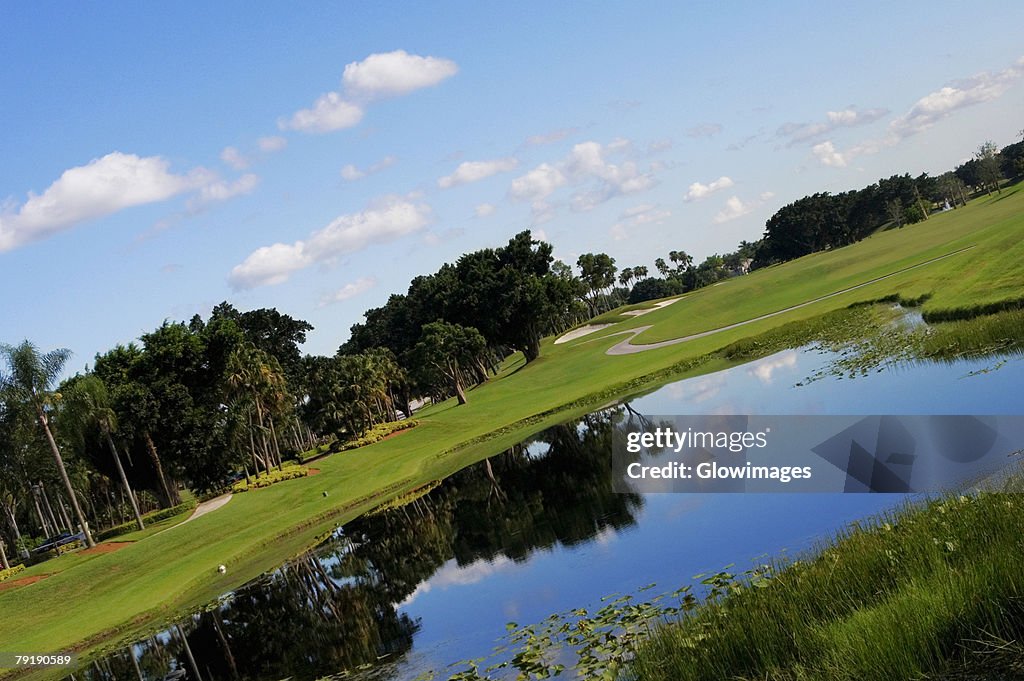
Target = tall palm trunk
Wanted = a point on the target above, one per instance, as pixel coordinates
(19, 545)
(47, 530)
(57, 526)
(64, 476)
(3, 555)
(170, 499)
(124, 479)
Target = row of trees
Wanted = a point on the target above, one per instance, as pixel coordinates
(194, 402)
(824, 220)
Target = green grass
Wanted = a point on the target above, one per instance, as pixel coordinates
(99, 601)
(906, 595)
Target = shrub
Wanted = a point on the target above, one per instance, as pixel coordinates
(10, 572)
(265, 480)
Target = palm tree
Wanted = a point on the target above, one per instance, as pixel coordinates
(30, 381)
(90, 408)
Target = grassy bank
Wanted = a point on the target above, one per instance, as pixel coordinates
(931, 590)
(99, 601)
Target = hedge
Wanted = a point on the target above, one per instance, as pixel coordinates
(151, 517)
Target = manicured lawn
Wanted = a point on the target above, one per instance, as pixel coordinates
(105, 598)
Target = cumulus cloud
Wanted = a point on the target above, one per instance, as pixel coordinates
(221, 190)
(537, 184)
(386, 221)
(637, 216)
(927, 111)
(101, 187)
(395, 73)
(699, 191)
(329, 112)
(589, 167)
(234, 158)
(736, 208)
(850, 117)
(827, 154)
(381, 75)
(484, 209)
(474, 171)
(935, 106)
(704, 130)
(350, 172)
(271, 143)
(350, 290)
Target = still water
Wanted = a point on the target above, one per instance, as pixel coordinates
(538, 530)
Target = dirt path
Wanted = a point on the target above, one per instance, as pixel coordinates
(625, 347)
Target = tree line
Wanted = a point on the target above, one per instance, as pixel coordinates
(191, 404)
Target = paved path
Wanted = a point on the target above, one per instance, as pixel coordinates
(202, 509)
(624, 347)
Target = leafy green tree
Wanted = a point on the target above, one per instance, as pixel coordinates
(989, 173)
(446, 349)
(653, 288)
(30, 382)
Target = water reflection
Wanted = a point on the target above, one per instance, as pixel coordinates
(343, 606)
(538, 530)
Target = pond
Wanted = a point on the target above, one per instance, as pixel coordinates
(538, 530)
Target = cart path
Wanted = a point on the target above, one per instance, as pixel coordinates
(625, 347)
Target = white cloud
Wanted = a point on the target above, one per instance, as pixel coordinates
(827, 154)
(587, 165)
(699, 191)
(380, 75)
(537, 184)
(395, 73)
(234, 158)
(484, 209)
(935, 106)
(388, 220)
(734, 208)
(350, 172)
(220, 190)
(474, 171)
(101, 187)
(635, 217)
(927, 111)
(329, 112)
(850, 117)
(350, 290)
(271, 143)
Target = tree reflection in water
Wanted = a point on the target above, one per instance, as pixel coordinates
(338, 607)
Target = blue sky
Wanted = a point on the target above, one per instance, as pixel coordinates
(158, 159)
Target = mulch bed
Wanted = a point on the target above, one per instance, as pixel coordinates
(107, 547)
(23, 581)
